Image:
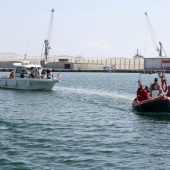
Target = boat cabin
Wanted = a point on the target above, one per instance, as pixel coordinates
(24, 68)
(20, 69)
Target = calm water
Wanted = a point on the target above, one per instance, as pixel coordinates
(85, 122)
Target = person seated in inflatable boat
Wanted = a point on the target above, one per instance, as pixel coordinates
(161, 93)
(154, 88)
(144, 94)
(168, 92)
(138, 93)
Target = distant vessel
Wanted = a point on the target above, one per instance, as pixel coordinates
(22, 79)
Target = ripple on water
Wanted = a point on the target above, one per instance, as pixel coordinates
(86, 125)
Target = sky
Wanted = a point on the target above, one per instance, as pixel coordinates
(84, 28)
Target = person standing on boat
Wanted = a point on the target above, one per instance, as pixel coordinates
(43, 74)
(155, 88)
(49, 74)
(22, 73)
(37, 74)
(32, 72)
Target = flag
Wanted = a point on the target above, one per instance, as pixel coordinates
(59, 76)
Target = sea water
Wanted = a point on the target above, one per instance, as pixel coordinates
(85, 122)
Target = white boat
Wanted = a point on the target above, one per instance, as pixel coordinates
(25, 82)
(23, 78)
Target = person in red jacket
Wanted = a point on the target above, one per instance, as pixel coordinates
(138, 93)
(11, 76)
(144, 94)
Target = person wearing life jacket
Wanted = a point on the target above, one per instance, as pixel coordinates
(138, 93)
(144, 94)
(155, 87)
(139, 90)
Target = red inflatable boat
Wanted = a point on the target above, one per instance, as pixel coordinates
(157, 104)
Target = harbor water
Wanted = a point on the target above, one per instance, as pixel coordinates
(86, 122)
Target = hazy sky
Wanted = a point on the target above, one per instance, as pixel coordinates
(88, 28)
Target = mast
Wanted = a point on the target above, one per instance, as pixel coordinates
(48, 38)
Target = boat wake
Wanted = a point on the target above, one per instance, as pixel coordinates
(113, 94)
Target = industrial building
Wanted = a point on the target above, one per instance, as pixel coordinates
(97, 63)
(77, 63)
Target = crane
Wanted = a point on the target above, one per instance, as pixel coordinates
(154, 36)
(48, 38)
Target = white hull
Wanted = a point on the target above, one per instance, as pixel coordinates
(28, 83)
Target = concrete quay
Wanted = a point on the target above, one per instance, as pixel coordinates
(75, 70)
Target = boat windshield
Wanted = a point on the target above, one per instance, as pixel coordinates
(20, 69)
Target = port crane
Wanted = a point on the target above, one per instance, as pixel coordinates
(48, 37)
(159, 48)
